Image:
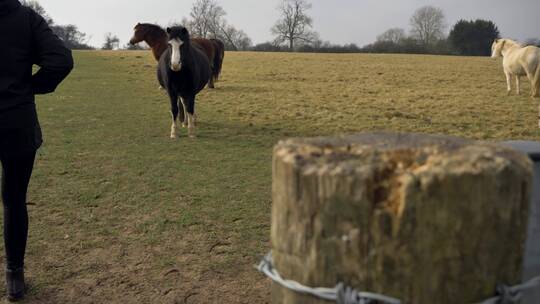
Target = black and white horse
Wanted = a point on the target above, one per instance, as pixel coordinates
(183, 70)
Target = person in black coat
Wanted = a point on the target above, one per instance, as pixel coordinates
(25, 40)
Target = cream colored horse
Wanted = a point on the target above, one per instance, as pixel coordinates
(519, 61)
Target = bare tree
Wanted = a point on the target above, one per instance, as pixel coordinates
(111, 42)
(71, 36)
(243, 42)
(235, 40)
(294, 25)
(33, 4)
(206, 17)
(207, 20)
(186, 22)
(428, 25)
(394, 35)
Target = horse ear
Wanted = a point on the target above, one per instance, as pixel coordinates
(184, 31)
(168, 30)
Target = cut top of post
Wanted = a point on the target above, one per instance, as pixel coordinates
(345, 152)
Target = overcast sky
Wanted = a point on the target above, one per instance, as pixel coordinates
(338, 21)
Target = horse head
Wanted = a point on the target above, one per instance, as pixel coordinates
(179, 41)
(139, 33)
(499, 46)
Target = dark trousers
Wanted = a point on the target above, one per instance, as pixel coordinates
(16, 172)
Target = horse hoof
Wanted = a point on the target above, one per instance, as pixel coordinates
(173, 137)
(184, 125)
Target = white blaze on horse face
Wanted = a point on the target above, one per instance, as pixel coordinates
(496, 49)
(176, 56)
(493, 50)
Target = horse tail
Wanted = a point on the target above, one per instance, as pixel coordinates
(218, 57)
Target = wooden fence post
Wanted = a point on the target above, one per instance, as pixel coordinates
(426, 219)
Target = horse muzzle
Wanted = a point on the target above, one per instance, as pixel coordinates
(176, 67)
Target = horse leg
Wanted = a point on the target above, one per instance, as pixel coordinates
(517, 84)
(533, 84)
(182, 111)
(212, 68)
(211, 81)
(537, 81)
(530, 76)
(174, 113)
(190, 109)
(508, 80)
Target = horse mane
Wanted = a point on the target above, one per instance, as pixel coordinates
(154, 29)
(511, 42)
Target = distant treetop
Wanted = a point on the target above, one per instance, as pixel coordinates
(473, 38)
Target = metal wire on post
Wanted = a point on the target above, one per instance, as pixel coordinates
(339, 294)
(342, 294)
(512, 295)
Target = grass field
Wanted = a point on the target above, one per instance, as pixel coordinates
(120, 213)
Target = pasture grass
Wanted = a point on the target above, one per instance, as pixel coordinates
(120, 213)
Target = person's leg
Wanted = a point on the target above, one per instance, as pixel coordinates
(16, 173)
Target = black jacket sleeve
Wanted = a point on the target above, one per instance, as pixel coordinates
(50, 54)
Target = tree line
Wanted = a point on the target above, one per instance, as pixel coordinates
(293, 31)
(70, 34)
(427, 36)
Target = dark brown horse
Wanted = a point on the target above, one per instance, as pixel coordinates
(156, 38)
